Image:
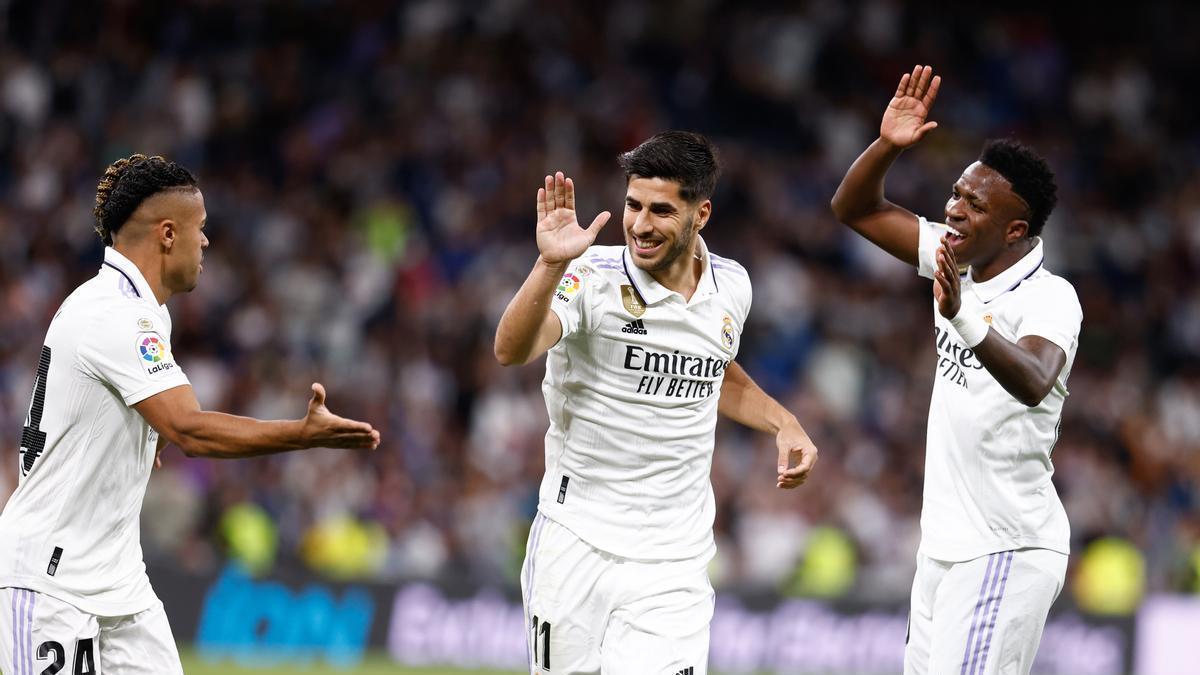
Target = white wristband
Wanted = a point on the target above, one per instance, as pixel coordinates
(970, 326)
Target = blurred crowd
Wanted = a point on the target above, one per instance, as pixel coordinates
(369, 171)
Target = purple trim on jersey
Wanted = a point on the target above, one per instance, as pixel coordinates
(29, 635)
(991, 627)
(12, 604)
(987, 610)
(26, 633)
(718, 260)
(122, 273)
(1020, 281)
(975, 618)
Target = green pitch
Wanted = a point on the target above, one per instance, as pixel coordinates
(375, 664)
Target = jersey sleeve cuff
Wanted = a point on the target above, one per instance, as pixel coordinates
(928, 240)
(1064, 342)
(153, 388)
(564, 319)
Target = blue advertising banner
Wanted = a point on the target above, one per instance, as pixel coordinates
(299, 620)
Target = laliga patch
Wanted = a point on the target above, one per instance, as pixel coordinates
(155, 353)
(728, 335)
(568, 287)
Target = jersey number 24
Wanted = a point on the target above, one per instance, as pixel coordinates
(33, 439)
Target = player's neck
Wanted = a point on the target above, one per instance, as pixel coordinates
(984, 271)
(149, 263)
(683, 276)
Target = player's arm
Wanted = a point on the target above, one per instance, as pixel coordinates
(528, 328)
(1027, 368)
(859, 201)
(745, 402)
(176, 415)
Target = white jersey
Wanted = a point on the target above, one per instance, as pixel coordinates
(71, 528)
(632, 389)
(987, 456)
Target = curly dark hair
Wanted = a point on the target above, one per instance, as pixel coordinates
(682, 156)
(129, 182)
(1029, 175)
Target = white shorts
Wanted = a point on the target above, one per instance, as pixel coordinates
(42, 634)
(983, 616)
(587, 611)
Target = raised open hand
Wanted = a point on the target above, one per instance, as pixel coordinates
(947, 289)
(559, 236)
(904, 120)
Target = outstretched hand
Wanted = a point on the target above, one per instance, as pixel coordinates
(323, 429)
(560, 239)
(904, 120)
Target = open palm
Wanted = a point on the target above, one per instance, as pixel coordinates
(904, 120)
(559, 236)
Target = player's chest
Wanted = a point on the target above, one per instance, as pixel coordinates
(704, 330)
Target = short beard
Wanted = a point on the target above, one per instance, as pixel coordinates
(682, 244)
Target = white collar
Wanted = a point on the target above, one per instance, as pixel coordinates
(137, 284)
(1010, 278)
(652, 291)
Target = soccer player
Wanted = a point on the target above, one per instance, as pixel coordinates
(74, 596)
(641, 342)
(994, 535)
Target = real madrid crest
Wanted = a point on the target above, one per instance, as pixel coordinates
(727, 334)
(632, 301)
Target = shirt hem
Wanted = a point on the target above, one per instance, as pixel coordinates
(689, 553)
(965, 553)
(103, 609)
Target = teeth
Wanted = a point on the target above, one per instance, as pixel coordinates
(954, 231)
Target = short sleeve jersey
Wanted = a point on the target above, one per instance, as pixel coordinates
(632, 389)
(70, 530)
(987, 460)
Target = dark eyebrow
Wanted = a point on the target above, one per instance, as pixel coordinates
(657, 207)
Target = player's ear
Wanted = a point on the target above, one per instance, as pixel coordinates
(702, 213)
(168, 230)
(1016, 230)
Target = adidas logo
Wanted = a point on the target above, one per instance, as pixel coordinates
(636, 327)
(686, 671)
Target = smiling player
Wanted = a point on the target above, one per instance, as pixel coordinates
(641, 342)
(994, 535)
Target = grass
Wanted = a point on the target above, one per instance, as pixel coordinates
(374, 664)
